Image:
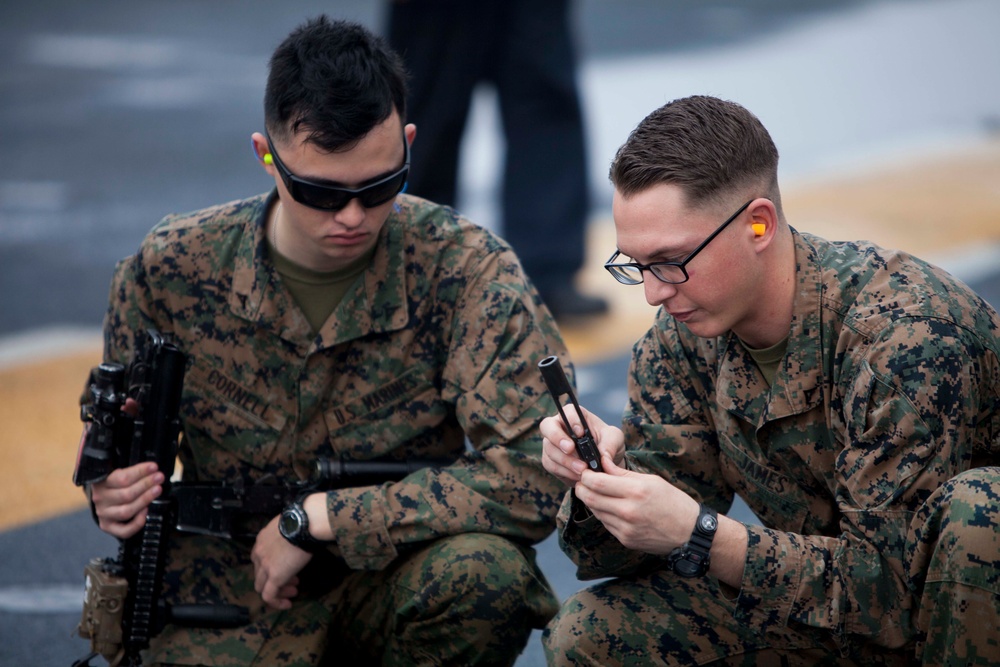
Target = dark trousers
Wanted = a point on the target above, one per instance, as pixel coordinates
(525, 50)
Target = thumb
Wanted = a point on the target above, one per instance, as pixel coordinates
(611, 468)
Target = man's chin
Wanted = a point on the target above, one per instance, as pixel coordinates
(703, 328)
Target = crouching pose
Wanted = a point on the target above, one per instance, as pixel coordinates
(336, 318)
(848, 393)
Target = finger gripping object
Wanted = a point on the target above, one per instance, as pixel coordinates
(559, 386)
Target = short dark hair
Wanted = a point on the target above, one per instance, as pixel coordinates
(707, 146)
(336, 81)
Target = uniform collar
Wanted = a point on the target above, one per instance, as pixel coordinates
(377, 304)
(798, 384)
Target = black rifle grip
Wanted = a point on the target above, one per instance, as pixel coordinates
(559, 386)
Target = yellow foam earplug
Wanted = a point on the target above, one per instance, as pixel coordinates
(268, 159)
(758, 228)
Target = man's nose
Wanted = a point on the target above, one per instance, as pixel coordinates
(656, 290)
(351, 215)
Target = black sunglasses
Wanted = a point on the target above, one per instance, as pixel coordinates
(329, 197)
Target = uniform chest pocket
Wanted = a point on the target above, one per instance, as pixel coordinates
(227, 423)
(406, 409)
(772, 495)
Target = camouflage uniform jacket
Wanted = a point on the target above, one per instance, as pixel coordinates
(437, 341)
(890, 385)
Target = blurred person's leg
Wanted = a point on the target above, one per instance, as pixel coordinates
(444, 44)
(546, 198)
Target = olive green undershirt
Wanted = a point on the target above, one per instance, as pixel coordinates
(318, 293)
(769, 358)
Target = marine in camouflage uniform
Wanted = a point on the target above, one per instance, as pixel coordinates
(438, 339)
(431, 354)
(870, 459)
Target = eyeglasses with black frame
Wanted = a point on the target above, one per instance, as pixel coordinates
(329, 196)
(674, 273)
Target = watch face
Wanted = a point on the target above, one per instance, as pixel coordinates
(686, 568)
(290, 523)
(689, 563)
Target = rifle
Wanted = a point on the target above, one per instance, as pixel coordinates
(122, 608)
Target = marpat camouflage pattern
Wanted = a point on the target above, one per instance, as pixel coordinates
(436, 343)
(867, 461)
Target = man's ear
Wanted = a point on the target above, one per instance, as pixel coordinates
(763, 220)
(260, 148)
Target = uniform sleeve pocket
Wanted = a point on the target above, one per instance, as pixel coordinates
(888, 443)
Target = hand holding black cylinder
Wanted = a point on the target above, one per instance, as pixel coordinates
(559, 386)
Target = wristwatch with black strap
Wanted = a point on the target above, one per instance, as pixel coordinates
(294, 527)
(694, 557)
